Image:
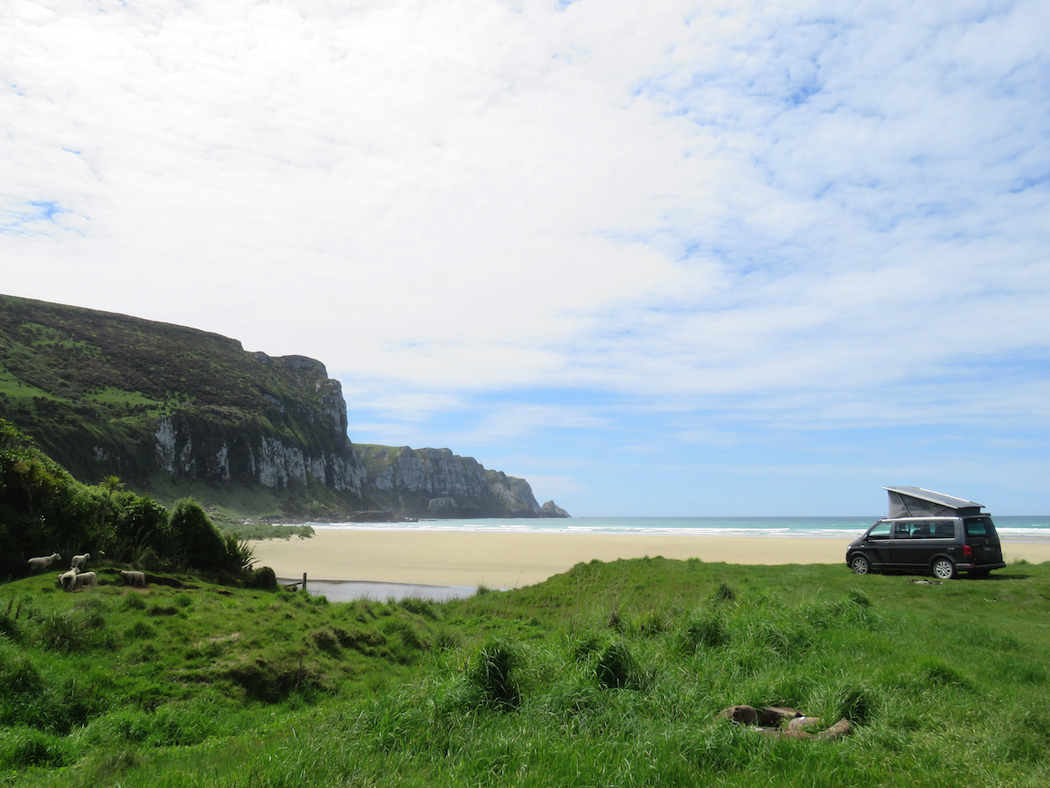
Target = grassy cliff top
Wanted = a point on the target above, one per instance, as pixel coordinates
(69, 353)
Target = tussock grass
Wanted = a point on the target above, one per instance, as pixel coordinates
(611, 674)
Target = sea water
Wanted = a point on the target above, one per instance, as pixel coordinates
(1010, 528)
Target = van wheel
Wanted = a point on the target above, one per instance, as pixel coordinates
(860, 565)
(944, 569)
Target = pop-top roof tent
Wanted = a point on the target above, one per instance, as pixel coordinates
(917, 502)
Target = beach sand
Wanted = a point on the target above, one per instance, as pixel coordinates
(496, 560)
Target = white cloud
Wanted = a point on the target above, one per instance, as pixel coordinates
(800, 209)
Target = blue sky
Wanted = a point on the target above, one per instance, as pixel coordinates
(695, 259)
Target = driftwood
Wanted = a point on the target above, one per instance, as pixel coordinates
(770, 720)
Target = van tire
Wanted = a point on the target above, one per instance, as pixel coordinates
(944, 569)
(860, 565)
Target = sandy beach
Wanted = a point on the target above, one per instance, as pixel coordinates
(513, 560)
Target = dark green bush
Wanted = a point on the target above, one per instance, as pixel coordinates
(195, 538)
(263, 577)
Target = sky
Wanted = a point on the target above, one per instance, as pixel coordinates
(676, 258)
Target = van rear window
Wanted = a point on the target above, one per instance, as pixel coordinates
(980, 526)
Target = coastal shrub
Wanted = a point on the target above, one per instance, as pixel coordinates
(141, 525)
(195, 538)
(240, 555)
(263, 578)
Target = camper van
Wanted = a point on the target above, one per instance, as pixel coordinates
(928, 531)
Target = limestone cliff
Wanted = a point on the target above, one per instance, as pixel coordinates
(437, 483)
(174, 411)
(208, 445)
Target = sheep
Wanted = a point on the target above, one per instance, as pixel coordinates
(42, 562)
(134, 578)
(79, 561)
(67, 579)
(84, 579)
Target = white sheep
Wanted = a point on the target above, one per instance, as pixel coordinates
(42, 562)
(134, 578)
(84, 579)
(67, 579)
(79, 561)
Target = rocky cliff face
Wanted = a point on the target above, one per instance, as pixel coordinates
(313, 447)
(165, 406)
(437, 483)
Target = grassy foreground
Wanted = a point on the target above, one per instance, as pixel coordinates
(611, 674)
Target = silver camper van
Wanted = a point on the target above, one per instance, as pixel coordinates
(928, 531)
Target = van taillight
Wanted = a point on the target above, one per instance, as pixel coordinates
(967, 550)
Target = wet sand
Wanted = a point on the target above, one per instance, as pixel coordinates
(495, 560)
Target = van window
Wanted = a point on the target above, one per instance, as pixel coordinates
(902, 531)
(980, 526)
(880, 531)
(922, 530)
(944, 530)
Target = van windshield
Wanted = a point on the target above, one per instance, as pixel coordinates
(979, 526)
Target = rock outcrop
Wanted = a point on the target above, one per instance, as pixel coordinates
(437, 483)
(551, 509)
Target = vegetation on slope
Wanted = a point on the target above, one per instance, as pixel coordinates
(611, 674)
(44, 510)
(91, 387)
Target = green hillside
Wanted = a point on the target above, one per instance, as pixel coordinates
(99, 391)
(611, 674)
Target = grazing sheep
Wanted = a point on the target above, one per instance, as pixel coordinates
(134, 578)
(41, 563)
(79, 561)
(84, 579)
(67, 579)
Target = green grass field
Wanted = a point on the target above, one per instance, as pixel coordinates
(611, 674)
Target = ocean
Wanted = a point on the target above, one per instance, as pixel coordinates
(1011, 528)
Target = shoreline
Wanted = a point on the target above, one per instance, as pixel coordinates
(513, 560)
